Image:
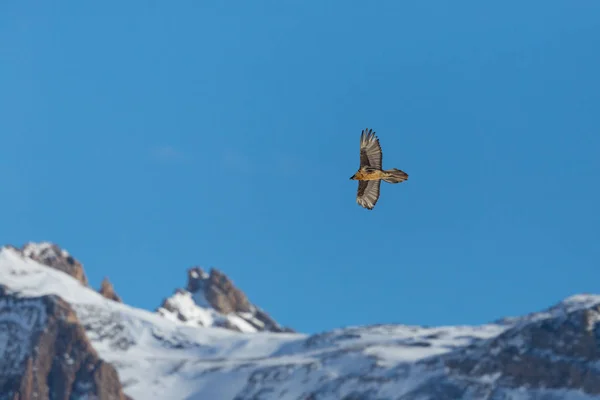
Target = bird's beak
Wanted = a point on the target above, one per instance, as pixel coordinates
(352, 177)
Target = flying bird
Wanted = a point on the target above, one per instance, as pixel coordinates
(370, 174)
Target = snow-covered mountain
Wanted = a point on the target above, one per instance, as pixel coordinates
(553, 354)
(211, 299)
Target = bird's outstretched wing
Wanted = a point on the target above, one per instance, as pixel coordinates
(368, 193)
(370, 150)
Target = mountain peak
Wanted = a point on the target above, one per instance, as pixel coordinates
(107, 290)
(211, 299)
(222, 294)
(56, 348)
(51, 255)
(196, 277)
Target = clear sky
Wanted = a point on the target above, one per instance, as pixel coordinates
(147, 137)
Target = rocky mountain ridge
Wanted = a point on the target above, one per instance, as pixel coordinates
(47, 355)
(51, 255)
(548, 355)
(211, 299)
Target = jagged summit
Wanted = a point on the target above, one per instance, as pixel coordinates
(52, 255)
(107, 290)
(211, 299)
(550, 354)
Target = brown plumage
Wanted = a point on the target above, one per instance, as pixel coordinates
(370, 173)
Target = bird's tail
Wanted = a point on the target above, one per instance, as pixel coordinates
(394, 175)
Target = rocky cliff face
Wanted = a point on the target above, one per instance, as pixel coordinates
(45, 354)
(550, 355)
(220, 292)
(46, 351)
(211, 299)
(53, 256)
(559, 349)
(107, 290)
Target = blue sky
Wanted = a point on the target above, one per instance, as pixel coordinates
(148, 137)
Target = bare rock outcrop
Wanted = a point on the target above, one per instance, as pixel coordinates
(559, 352)
(45, 353)
(223, 295)
(107, 290)
(214, 290)
(53, 256)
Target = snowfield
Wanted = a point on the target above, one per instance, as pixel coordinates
(187, 303)
(158, 357)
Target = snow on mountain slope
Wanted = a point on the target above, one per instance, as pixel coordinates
(194, 309)
(45, 353)
(43, 249)
(51, 255)
(159, 358)
(146, 348)
(213, 300)
(22, 318)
